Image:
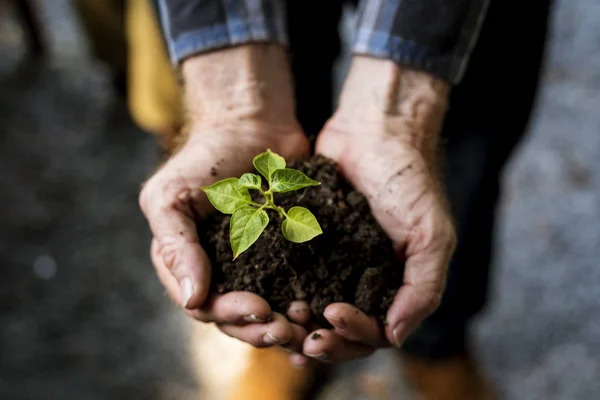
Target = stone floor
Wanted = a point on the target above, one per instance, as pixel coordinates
(82, 315)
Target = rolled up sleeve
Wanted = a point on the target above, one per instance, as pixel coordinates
(196, 26)
(436, 36)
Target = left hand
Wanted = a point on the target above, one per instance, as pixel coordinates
(387, 148)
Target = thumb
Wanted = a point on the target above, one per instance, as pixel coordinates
(175, 245)
(428, 252)
(331, 143)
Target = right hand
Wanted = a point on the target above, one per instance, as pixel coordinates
(173, 203)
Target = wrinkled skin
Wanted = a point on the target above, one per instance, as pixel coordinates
(405, 199)
(384, 137)
(173, 202)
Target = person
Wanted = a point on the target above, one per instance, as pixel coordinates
(126, 37)
(438, 94)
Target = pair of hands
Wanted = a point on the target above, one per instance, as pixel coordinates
(388, 156)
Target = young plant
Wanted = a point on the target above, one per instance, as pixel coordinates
(249, 219)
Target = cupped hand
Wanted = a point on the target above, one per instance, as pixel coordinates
(390, 155)
(405, 197)
(173, 204)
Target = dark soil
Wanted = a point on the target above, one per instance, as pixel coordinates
(352, 261)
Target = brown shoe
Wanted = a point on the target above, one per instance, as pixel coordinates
(456, 378)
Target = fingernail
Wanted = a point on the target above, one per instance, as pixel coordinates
(400, 334)
(272, 340)
(187, 290)
(321, 356)
(253, 318)
(336, 321)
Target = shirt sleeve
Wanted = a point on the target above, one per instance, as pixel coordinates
(436, 36)
(197, 26)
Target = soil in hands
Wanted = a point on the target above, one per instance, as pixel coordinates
(352, 261)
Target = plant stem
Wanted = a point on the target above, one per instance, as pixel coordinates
(278, 209)
(264, 194)
(269, 196)
(281, 211)
(269, 203)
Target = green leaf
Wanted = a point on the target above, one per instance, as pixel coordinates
(287, 180)
(300, 225)
(245, 226)
(226, 196)
(250, 181)
(267, 163)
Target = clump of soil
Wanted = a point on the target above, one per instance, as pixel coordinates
(352, 261)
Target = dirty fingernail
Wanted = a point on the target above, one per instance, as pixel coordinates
(272, 340)
(253, 318)
(187, 289)
(400, 332)
(336, 321)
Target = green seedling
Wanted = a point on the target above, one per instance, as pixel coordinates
(249, 218)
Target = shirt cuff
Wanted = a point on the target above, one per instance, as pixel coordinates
(236, 27)
(435, 36)
(406, 52)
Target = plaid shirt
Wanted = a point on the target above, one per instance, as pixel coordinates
(436, 36)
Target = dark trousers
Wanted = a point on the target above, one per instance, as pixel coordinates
(488, 115)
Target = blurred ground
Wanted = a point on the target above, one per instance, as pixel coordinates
(81, 313)
(83, 317)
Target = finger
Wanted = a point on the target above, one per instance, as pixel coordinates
(169, 211)
(228, 308)
(299, 361)
(411, 306)
(237, 308)
(296, 342)
(327, 346)
(299, 312)
(427, 258)
(164, 275)
(276, 332)
(354, 325)
(421, 293)
(428, 252)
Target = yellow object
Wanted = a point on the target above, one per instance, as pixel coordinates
(154, 95)
(126, 34)
(270, 376)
